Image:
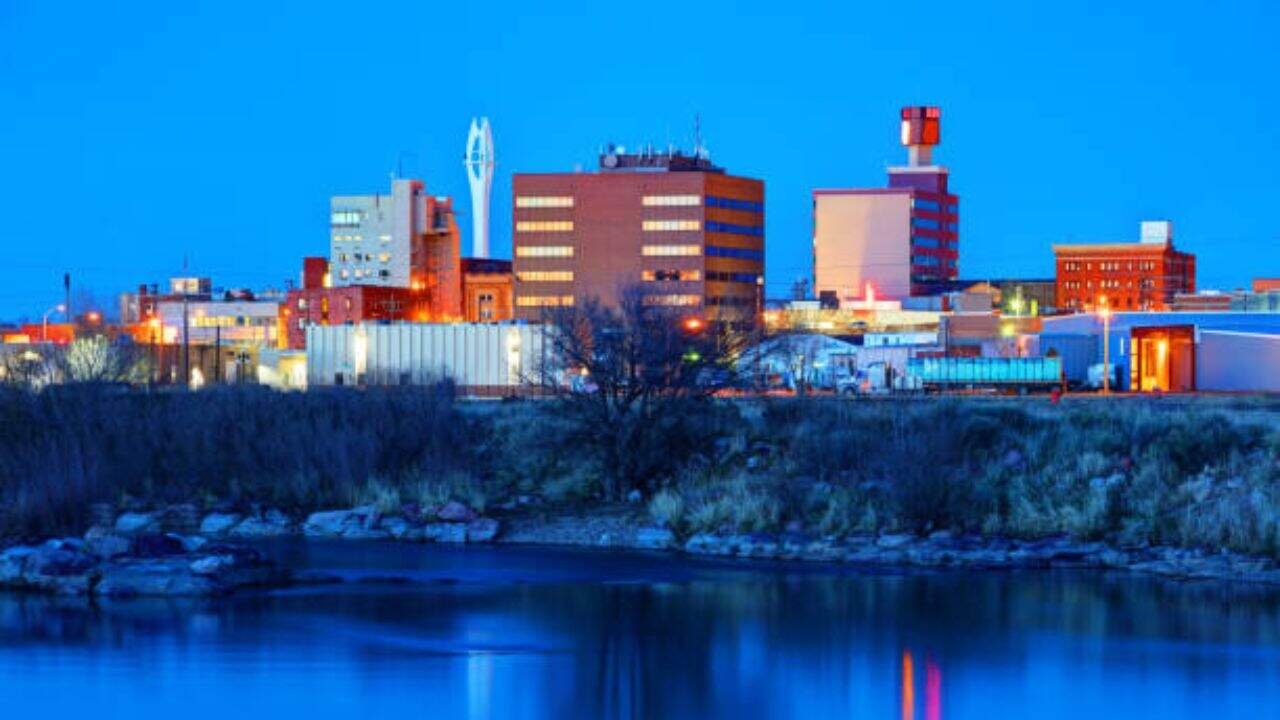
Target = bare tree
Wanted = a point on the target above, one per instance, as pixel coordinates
(98, 359)
(23, 366)
(624, 372)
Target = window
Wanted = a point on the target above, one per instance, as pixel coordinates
(735, 204)
(748, 278)
(670, 275)
(729, 301)
(924, 242)
(673, 300)
(544, 201)
(546, 276)
(752, 230)
(536, 251)
(929, 205)
(544, 300)
(672, 200)
(925, 223)
(671, 225)
(384, 238)
(736, 253)
(384, 257)
(544, 226)
(671, 250)
(345, 218)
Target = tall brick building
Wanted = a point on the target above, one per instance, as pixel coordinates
(680, 228)
(1143, 275)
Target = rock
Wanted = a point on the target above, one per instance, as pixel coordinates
(272, 523)
(396, 527)
(154, 577)
(212, 564)
(157, 545)
(106, 544)
(707, 544)
(193, 543)
(655, 538)
(138, 522)
(360, 523)
(482, 530)
(634, 497)
(892, 540)
(219, 523)
(454, 511)
(56, 567)
(445, 532)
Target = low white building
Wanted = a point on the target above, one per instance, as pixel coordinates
(483, 359)
(228, 322)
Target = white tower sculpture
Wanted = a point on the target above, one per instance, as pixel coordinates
(479, 163)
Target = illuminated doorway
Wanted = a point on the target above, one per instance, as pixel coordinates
(1163, 359)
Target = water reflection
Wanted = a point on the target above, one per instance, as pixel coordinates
(482, 635)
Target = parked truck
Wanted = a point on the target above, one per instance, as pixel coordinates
(1019, 374)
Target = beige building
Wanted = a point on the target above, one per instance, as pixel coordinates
(861, 240)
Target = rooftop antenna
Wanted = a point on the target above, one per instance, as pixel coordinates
(697, 135)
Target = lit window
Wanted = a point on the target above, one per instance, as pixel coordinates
(534, 251)
(671, 200)
(384, 257)
(670, 275)
(544, 201)
(544, 226)
(544, 300)
(671, 225)
(345, 218)
(384, 238)
(671, 250)
(673, 300)
(546, 276)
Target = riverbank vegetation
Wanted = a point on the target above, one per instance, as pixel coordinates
(1187, 472)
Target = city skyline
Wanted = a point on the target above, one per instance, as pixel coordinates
(196, 134)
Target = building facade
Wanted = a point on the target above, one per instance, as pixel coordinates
(892, 242)
(685, 232)
(1143, 275)
(487, 290)
(408, 239)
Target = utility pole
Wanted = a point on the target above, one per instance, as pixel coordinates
(66, 290)
(186, 343)
(217, 353)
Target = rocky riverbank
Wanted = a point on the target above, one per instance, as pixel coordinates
(144, 564)
(141, 554)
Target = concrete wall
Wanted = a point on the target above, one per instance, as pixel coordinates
(861, 238)
(1238, 362)
(480, 358)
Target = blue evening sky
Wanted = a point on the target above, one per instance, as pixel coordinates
(134, 134)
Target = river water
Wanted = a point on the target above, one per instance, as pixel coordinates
(435, 632)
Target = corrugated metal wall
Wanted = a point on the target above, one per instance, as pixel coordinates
(473, 355)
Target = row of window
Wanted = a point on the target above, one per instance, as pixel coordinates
(729, 301)
(670, 275)
(931, 261)
(348, 238)
(928, 242)
(670, 250)
(359, 273)
(724, 227)
(736, 253)
(345, 218)
(672, 200)
(544, 251)
(544, 226)
(368, 257)
(1110, 266)
(544, 300)
(546, 276)
(733, 204)
(672, 300)
(924, 223)
(932, 206)
(1146, 283)
(671, 225)
(733, 277)
(544, 201)
(231, 321)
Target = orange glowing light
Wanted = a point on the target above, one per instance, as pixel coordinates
(693, 324)
(908, 687)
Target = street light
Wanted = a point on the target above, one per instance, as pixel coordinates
(1105, 313)
(44, 323)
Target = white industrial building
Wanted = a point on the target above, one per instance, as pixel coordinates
(482, 359)
(372, 237)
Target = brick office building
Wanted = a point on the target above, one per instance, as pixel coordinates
(891, 242)
(1143, 275)
(678, 227)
